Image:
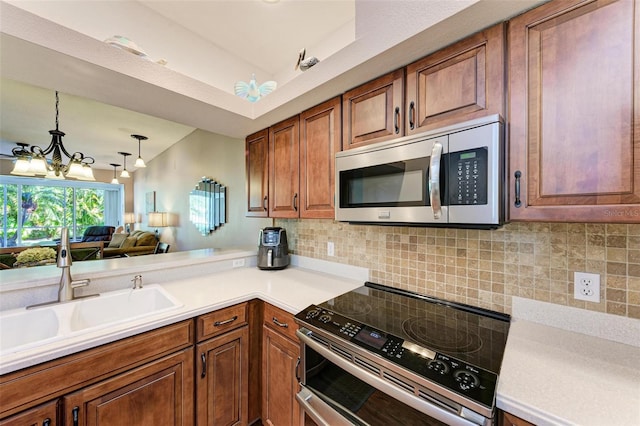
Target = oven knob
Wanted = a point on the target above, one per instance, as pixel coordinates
(466, 380)
(438, 366)
(324, 318)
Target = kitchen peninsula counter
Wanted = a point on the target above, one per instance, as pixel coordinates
(291, 289)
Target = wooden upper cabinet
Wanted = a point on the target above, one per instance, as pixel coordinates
(257, 169)
(320, 139)
(284, 168)
(374, 112)
(574, 82)
(460, 82)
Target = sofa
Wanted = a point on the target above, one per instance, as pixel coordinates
(135, 244)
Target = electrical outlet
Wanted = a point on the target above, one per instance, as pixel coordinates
(586, 286)
(330, 249)
(238, 263)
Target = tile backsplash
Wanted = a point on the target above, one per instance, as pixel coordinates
(485, 268)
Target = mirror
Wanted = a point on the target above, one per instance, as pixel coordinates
(208, 206)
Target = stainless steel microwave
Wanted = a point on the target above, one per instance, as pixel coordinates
(453, 176)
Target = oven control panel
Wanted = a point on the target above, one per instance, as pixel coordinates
(454, 374)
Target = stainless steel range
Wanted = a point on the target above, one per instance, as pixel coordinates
(384, 356)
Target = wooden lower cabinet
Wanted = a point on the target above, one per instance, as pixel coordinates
(507, 419)
(158, 393)
(223, 380)
(279, 383)
(42, 415)
(230, 367)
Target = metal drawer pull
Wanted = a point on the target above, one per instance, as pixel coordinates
(279, 324)
(412, 116)
(517, 175)
(75, 415)
(230, 320)
(396, 120)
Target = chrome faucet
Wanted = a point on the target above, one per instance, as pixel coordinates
(67, 284)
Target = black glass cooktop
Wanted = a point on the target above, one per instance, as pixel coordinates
(474, 335)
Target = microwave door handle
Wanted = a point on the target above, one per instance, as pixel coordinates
(434, 180)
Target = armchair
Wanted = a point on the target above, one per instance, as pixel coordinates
(98, 233)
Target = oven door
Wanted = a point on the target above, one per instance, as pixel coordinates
(334, 391)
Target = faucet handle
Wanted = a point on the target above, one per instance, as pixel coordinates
(80, 283)
(137, 281)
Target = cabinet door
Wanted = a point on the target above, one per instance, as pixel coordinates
(223, 381)
(256, 154)
(460, 82)
(373, 112)
(284, 166)
(279, 383)
(320, 139)
(574, 83)
(158, 393)
(511, 420)
(42, 415)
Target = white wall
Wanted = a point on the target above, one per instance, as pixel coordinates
(175, 172)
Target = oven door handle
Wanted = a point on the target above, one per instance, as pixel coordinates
(319, 411)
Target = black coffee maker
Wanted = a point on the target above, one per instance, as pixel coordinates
(273, 250)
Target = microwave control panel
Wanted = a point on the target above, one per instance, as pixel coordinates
(468, 177)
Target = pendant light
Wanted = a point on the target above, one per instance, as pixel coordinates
(115, 178)
(125, 173)
(78, 167)
(140, 161)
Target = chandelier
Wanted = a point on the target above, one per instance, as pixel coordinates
(33, 161)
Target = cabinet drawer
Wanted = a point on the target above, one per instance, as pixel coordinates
(281, 321)
(220, 321)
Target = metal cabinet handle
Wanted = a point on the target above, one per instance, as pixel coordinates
(46, 422)
(75, 414)
(203, 358)
(412, 115)
(280, 324)
(264, 203)
(434, 180)
(230, 320)
(295, 201)
(298, 370)
(518, 201)
(396, 120)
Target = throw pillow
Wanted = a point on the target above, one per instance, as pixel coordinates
(117, 240)
(147, 239)
(128, 243)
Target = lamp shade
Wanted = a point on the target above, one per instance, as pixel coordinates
(158, 219)
(130, 217)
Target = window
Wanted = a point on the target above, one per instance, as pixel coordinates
(35, 210)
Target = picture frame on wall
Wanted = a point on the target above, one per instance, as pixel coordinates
(150, 202)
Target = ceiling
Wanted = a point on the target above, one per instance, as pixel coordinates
(107, 93)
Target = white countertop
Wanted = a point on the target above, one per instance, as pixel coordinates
(554, 376)
(553, 371)
(291, 289)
